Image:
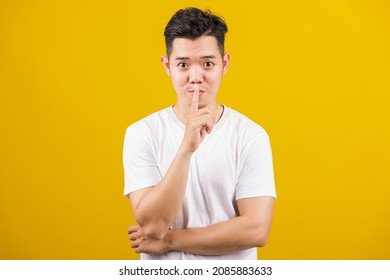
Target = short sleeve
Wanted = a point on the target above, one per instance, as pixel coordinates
(140, 168)
(256, 174)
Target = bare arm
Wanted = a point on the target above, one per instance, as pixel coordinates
(155, 209)
(250, 229)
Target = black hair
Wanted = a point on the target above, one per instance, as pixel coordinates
(192, 23)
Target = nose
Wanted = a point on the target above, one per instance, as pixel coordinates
(196, 75)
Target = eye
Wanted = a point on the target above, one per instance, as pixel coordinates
(208, 64)
(182, 65)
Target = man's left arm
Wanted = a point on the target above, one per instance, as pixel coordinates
(250, 229)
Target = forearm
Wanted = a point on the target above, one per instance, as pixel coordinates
(250, 229)
(237, 234)
(157, 210)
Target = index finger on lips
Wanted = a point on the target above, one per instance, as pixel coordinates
(195, 100)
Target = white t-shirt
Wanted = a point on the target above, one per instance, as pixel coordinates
(233, 162)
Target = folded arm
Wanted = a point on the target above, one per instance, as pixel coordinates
(250, 229)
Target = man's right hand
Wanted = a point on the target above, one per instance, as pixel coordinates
(143, 244)
(198, 124)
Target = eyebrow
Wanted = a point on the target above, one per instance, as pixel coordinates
(202, 57)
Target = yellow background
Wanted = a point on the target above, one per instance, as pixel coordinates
(75, 74)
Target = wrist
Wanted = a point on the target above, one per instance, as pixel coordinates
(184, 152)
(169, 240)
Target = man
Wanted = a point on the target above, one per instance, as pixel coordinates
(198, 174)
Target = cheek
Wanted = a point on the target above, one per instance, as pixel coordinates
(215, 80)
(178, 82)
(178, 78)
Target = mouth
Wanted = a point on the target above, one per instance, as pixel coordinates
(201, 92)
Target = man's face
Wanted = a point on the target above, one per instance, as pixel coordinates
(196, 63)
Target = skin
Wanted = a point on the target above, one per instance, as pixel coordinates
(196, 63)
(196, 68)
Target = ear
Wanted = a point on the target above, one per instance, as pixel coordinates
(165, 62)
(226, 60)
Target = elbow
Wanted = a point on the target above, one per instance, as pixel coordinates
(260, 237)
(155, 231)
(262, 241)
(154, 234)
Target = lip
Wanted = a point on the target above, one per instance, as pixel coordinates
(201, 91)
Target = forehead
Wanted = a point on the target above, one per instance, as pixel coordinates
(202, 46)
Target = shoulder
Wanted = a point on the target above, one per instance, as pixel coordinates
(244, 126)
(148, 123)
